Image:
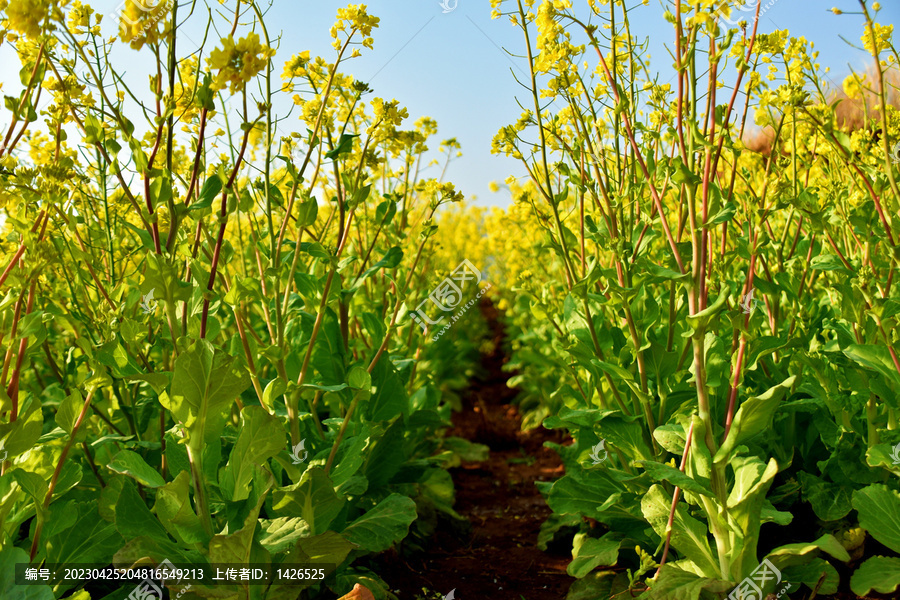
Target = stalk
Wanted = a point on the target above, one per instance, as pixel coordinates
(59, 465)
(223, 219)
(684, 455)
(195, 461)
(355, 402)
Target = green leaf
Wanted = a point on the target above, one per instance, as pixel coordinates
(877, 358)
(386, 210)
(589, 553)
(235, 547)
(599, 584)
(68, 411)
(173, 506)
(143, 235)
(386, 457)
(328, 548)
(882, 455)
(879, 573)
(466, 450)
(384, 525)
(360, 195)
(344, 146)
(211, 188)
(752, 417)
(676, 584)
(141, 162)
(390, 398)
(723, 216)
(812, 573)
(879, 513)
(158, 381)
(359, 379)
(130, 463)
(161, 191)
(277, 535)
(829, 501)
(828, 262)
(689, 536)
(701, 320)
(389, 261)
(89, 540)
(311, 498)
(21, 435)
(745, 504)
(573, 495)
(671, 437)
(794, 554)
(307, 212)
(260, 438)
(274, 389)
(133, 518)
(204, 387)
(663, 472)
(9, 557)
(32, 483)
(315, 249)
(350, 456)
(144, 548)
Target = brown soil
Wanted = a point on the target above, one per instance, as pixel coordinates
(498, 558)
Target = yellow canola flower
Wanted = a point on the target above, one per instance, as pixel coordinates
(26, 16)
(359, 19)
(883, 35)
(80, 17)
(139, 22)
(238, 63)
(852, 87)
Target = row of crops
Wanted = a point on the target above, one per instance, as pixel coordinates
(227, 345)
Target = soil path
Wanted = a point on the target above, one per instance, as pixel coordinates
(498, 558)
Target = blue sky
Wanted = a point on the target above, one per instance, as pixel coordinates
(452, 66)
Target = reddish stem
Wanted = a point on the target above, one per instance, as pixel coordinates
(687, 446)
(59, 465)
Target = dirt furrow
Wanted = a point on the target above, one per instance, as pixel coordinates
(496, 556)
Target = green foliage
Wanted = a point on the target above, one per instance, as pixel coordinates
(211, 358)
(715, 327)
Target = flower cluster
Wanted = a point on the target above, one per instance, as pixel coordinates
(140, 20)
(358, 19)
(28, 17)
(238, 63)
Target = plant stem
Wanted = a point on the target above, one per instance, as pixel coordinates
(56, 472)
